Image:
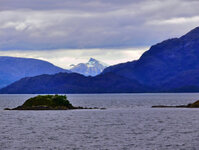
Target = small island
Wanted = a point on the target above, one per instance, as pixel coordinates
(192, 105)
(48, 102)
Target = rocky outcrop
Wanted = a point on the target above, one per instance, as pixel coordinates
(192, 105)
(48, 102)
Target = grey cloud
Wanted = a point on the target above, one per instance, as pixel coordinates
(65, 4)
(50, 24)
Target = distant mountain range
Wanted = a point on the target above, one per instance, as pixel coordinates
(92, 68)
(169, 66)
(14, 68)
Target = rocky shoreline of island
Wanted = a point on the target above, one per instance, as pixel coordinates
(191, 105)
(49, 102)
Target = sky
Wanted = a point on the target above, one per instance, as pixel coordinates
(68, 32)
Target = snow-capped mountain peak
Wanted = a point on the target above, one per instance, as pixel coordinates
(92, 60)
(92, 68)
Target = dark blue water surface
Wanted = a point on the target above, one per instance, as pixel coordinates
(128, 123)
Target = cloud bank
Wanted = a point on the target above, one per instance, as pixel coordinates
(64, 58)
(93, 24)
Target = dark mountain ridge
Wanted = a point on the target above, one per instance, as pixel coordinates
(73, 83)
(163, 62)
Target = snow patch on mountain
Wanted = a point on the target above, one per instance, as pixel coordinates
(92, 68)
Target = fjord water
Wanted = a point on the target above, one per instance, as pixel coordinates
(129, 122)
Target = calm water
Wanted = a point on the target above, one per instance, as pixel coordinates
(128, 123)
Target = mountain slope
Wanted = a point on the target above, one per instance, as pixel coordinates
(187, 81)
(73, 83)
(13, 69)
(164, 61)
(92, 68)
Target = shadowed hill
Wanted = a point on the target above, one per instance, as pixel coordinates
(14, 68)
(74, 83)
